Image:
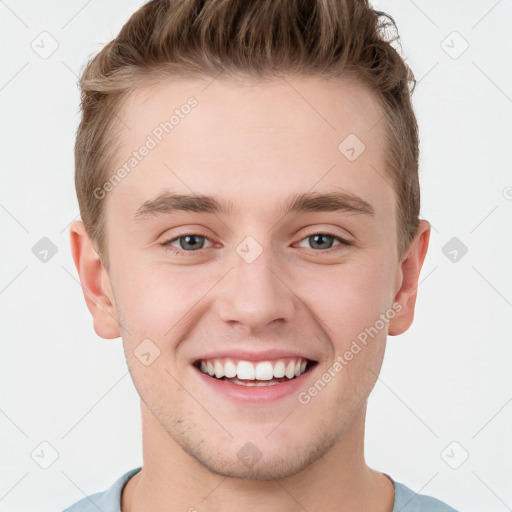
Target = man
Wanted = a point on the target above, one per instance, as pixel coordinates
(247, 174)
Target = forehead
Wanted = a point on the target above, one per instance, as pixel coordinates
(257, 139)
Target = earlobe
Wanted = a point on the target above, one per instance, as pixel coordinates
(410, 269)
(95, 282)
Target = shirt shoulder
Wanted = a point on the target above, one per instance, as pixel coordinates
(106, 501)
(406, 500)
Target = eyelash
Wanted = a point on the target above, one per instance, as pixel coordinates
(181, 252)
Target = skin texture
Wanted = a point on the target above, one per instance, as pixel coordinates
(252, 144)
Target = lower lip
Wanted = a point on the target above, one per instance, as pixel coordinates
(254, 394)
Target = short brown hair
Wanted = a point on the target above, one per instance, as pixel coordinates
(200, 39)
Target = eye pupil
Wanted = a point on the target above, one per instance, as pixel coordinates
(191, 242)
(316, 240)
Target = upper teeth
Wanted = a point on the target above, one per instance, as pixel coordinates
(262, 370)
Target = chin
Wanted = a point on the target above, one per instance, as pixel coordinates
(261, 460)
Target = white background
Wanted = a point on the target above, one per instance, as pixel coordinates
(447, 379)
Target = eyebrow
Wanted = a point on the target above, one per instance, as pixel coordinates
(168, 203)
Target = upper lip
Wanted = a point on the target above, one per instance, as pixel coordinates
(245, 355)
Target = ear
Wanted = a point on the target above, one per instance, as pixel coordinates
(95, 282)
(408, 276)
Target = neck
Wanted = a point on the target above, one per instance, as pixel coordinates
(172, 480)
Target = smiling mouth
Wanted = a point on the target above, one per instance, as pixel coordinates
(261, 373)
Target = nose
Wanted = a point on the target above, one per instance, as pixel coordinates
(255, 294)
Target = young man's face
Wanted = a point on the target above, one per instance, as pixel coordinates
(254, 283)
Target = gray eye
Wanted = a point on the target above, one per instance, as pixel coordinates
(321, 241)
(189, 242)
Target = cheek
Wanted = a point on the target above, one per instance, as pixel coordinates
(350, 299)
(156, 304)
(157, 300)
(348, 304)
